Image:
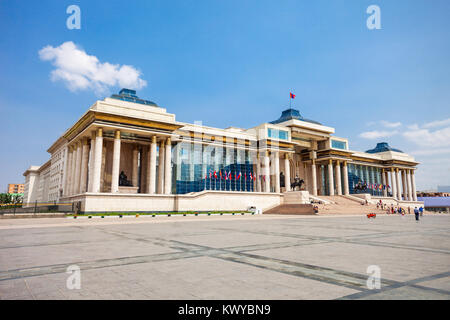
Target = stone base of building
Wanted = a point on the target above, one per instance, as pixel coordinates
(201, 201)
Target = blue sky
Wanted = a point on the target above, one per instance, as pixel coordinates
(233, 63)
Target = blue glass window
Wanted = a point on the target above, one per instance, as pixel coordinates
(339, 144)
(277, 134)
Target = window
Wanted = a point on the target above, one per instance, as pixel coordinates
(336, 144)
(277, 134)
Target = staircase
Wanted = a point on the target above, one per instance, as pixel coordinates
(293, 203)
(342, 205)
(297, 209)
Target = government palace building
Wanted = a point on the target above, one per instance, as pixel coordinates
(127, 154)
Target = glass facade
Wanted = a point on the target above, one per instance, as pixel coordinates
(367, 176)
(277, 134)
(200, 167)
(336, 144)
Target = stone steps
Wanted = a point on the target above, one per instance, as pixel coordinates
(342, 205)
(294, 209)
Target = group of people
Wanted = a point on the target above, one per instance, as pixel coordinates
(399, 210)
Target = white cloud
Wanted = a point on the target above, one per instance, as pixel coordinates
(388, 124)
(80, 71)
(430, 152)
(426, 138)
(414, 126)
(439, 123)
(377, 134)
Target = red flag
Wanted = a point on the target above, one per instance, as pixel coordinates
(229, 175)
(226, 175)
(239, 175)
(220, 173)
(215, 174)
(292, 95)
(245, 176)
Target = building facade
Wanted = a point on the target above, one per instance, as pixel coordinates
(126, 153)
(15, 188)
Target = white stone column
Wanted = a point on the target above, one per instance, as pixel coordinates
(91, 162)
(72, 170)
(345, 173)
(405, 194)
(338, 178)
(66, 163)
(413, 185)
(161, 168)
(383, 181)
(151, 172)
(330, 178)
(399, 191)
(97, 161)
(314, 177)
(84, 166)
(68, 171)
(77, 169)
(408, 182)
(393, 183)
(287, 173)
(267, 171)
(134, 173)
(74, 167)
(276, 159)
(116, 163)
(258, 172)
(168, 167)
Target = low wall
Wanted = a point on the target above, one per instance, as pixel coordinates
(201, 201)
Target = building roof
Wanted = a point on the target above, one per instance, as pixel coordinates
(435, 202)
(130, 95)
(383, 147)
(291, 114)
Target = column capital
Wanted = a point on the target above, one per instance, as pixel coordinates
(99, 132)
(286, 156)
(344, 163)
(168, 141)
(267, 153)
(392, 170)
(117, 134)
(84, 141)
(330, 161)
(153, 139)
(338, 162)
(93, 134)
(396, 169)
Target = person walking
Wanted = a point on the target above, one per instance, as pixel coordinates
(421, 211)
(416, 213)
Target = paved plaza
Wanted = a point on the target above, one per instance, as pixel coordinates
(226, 257)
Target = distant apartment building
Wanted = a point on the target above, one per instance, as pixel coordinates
(15, 188)
(445, 189)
